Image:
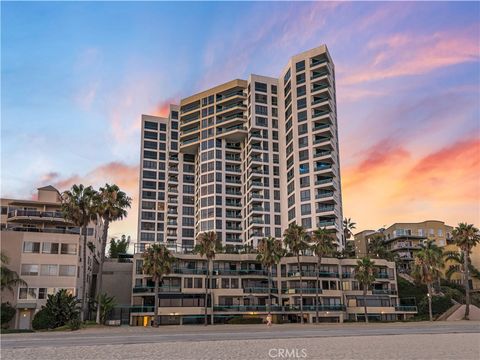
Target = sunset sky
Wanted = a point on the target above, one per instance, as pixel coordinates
(76, 78)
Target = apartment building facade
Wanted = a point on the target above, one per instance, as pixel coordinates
(244, 159)
(45, 251)
(239, 288)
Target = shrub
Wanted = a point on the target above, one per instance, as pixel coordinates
(7, 313)
(62, 307)
(440, 304)
(454, 293)
(74, 324)
(42, 320)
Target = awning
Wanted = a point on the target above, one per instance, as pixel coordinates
(26, 305)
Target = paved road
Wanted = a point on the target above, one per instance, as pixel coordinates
(167, 334)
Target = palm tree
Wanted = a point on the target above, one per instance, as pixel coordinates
(270, 252)
(157, 263)
(118, 246)
(207, 243)
(466, 237)
(78, 207)
(364, 274)
(111, 205)
(426, 268)
(323, 245)
(296, 239)
(348, 226)
(376, 248)
(457, 260)
(9, 278)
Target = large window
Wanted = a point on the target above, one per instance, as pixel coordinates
(67, 270)
(31, 247)
(48, 270)
(29, 269)
(68, 249)
(27, 294)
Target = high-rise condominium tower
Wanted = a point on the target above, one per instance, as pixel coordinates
(245, 159)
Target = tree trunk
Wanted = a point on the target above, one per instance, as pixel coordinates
(301, 289)
(211, 293)
(365, 302)
(100, 268)
(429, 295)
(156, 317)
(466, 284)
(317, 290)
(206, 294)
(84, 277)
(269, 289)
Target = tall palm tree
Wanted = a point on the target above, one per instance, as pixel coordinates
(111, 204)
(323, 245)
(207, 244)
(157, 263)
(466, 237)
(9, 278)
(270, 252)
(296, 239)
(348, 227)
(364, 274)
(78, 207)
(456, 262)
(426, 268)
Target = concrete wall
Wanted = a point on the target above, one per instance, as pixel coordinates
(117, 281)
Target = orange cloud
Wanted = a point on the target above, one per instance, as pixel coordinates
(404, 54)
(163, 108)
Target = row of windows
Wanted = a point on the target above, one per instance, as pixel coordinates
(49, 248)
(30, 293)
(48, 270)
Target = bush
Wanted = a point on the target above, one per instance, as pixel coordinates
(245, 320)
(454, 293)
(43, 320)
(7, 313)
(74, 324)
(440, 304)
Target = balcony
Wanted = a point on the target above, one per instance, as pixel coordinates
(34, 215)
(324, 181)
(184, 270)
(223, 97)
(406, 308)
(320, 113)
(233, 192)
(318, 74)
(151, 289)
(225, 109)
(313, 274)
(384, 292)
(256, 196)
(325, 208)
(322, 153)
(232, 169)
(322, 224)
(256, 221)
(320, 140)
(320, 167)
(188, 131)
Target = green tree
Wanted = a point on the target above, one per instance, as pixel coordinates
(349, 250)
(364, 274)
(105, 304)
(111, 204)
(9, 278)
(157, 263)
(270, 252)
(206, 247)
(323, 245)
(376, 248)
(7, 313)
(60, 308)
(466, 237)
(348, 227)
(118, 246)
(296, 240)
(426, 268)
(78, 207)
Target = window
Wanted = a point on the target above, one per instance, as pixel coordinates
(44, 292)
(67, 270)
(306, 209)
(260, 98)
(261, 121)
(302, 116)
(304, 181)
(301, 103)
(31, 247)
(68, 249)
(301, 90)
(27, 294)
(307, 223)
(29, 269)
(300, 66)
(287, 76)
(261, 110)
(48, 270)
(304, 195)
(260, 87)
(303, 155)
(302, 129)
(301, 80)
(302, 142)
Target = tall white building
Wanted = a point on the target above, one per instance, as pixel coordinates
(245, 159)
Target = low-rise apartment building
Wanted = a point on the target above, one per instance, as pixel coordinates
(44, 249)
(240, 289)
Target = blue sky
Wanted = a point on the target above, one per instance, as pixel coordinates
(77, 76)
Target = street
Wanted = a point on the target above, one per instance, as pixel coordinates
(442, 340)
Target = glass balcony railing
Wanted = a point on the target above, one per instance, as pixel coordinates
(320, 113)
(323, 181)
(322, 153)
(325, 223)
(325, 208)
